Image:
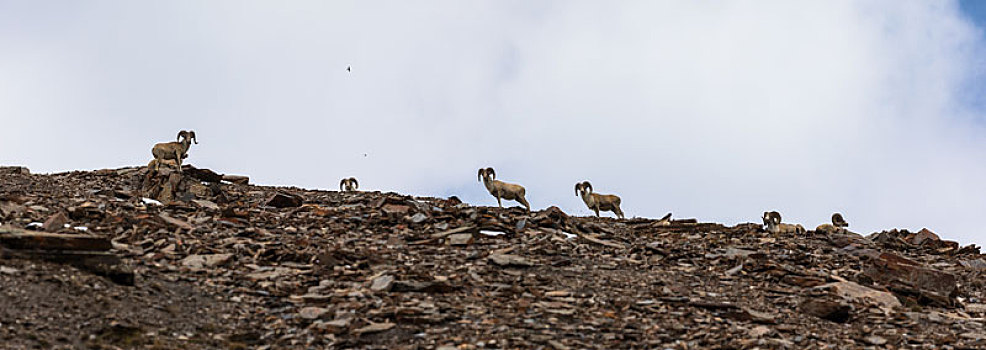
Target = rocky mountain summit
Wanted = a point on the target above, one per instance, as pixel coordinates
(130, 258)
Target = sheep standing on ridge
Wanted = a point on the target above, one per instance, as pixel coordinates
(175, 151)
(596, 201)
(502, 190)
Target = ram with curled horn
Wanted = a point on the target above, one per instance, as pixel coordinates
(772, 223)
(598, 202)
(838, 225)
(502, 190)
(173, 151)
(348, 185)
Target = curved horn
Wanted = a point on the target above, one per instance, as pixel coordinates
(491, 172)
(181, 134)
(479, 176)
(587, 186)
(342, 183)
(192, 135)
(578, 186)
(355, 183)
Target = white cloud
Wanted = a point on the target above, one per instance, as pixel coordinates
(715, 110)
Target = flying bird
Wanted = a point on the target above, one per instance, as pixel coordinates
(349, 69)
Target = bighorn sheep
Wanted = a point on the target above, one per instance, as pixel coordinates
(500, 189)
(838, 225)
(173, 150)
(772, 220)
(596, 201)
(348, 185)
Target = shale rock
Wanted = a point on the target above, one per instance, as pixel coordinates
(217, 263)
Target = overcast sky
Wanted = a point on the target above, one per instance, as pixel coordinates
(717, 110)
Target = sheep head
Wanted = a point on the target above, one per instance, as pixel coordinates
(486, 173)
(582, 188)
(349, 184)
(187, 136)
(771, 218)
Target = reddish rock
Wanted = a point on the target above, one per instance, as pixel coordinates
(201, 174)
(341, 272)
(284, 200)
(860, 294)
(924, 236)
(56, 222)
(909, 278)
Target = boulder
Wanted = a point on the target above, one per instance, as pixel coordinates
(857, 293)
(284, 200)
(911, 279)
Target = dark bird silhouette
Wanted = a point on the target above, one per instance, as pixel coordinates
(349, 69)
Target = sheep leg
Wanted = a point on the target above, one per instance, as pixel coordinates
(619, 213)
(498, 202)
(521, 200)
(596, 209)
(178, 161)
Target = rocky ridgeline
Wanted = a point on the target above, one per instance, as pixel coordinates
(126, 258)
